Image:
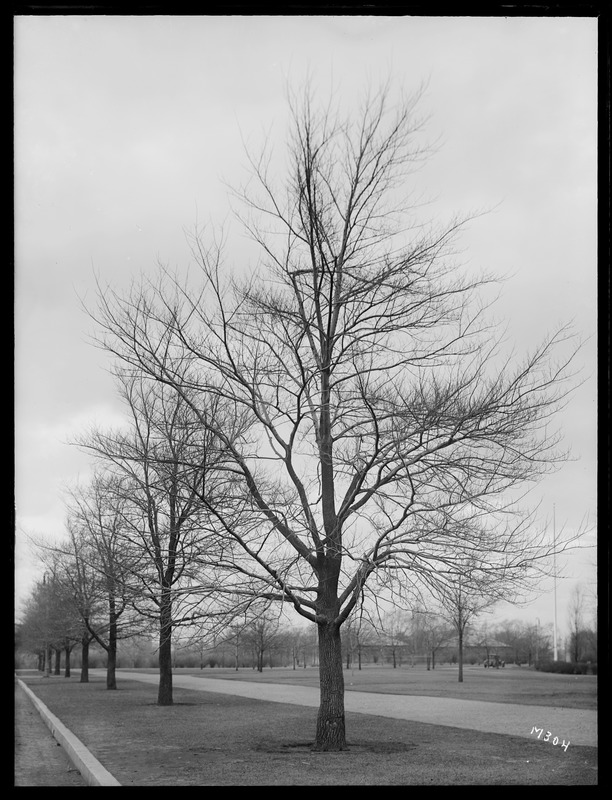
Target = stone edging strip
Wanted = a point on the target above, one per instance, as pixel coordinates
(90, 768)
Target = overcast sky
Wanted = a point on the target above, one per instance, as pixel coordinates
(126, 128)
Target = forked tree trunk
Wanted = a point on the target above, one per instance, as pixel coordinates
(330, 722)
(164, 694)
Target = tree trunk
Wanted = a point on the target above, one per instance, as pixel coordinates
(460, 656)
(58, 656)
(67, 664)
(84, 660)
(164, 695)
(576, 648)
(111, 666)
(331, 733)
(433, 659)
(111, 662)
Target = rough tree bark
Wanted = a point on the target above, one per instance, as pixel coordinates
(331, 729)
(164, 693)
(85, 659)
(111, 650)
(67, 651)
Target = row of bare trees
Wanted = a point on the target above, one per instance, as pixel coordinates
(138, 546)
(339, 428)
(84, 597)
(417, 637)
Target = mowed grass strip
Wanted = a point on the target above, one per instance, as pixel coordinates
(208, 739)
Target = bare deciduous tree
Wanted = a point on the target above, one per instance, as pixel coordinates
(49, 621)
(261, 634)
(373, 408)
(461, 601)
(163, 466)
(429, 633)
(101, 565)
(394, 632)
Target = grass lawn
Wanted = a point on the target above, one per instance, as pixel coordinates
(209, 739)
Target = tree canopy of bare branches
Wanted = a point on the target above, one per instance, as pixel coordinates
(374, 433)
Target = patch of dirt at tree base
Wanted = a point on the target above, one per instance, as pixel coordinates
(351, 747)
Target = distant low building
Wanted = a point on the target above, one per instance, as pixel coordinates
(477, 651)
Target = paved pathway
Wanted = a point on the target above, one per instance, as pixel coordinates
(574, 725)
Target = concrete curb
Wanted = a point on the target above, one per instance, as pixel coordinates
(90, 768)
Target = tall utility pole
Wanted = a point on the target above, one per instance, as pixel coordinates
(554, 586)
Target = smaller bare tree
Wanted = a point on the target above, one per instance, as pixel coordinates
(163, 465)
(262, 633)
(101, 566)
(430, 632)
(461, 601)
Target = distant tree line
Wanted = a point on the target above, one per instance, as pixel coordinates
(49, 633)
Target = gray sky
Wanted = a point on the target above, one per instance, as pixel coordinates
(125, 128)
